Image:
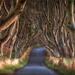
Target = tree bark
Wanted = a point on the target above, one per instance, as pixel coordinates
(13, 39)
(71, 25)
(8, 37)
(13, 16)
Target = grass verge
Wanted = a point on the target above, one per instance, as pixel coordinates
(11, 69)
(58, 68)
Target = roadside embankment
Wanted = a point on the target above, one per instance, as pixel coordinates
(62, 65)
(8, 66)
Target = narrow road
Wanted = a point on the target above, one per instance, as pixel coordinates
(36, 65)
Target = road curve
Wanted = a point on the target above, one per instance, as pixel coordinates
(36, 65)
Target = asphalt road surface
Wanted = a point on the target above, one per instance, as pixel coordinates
(36, 65)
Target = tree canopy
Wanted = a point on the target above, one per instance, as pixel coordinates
(50, 21)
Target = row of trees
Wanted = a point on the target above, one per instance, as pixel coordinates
(16, 29)
(57, 27)
(55, 23)
(9, 23)
(51, 22)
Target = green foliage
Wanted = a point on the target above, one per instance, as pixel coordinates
(59, 69)
(12, 55)
(10, 69)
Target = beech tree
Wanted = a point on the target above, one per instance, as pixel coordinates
(71, 25)
(11, 19)
(52, 22)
